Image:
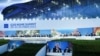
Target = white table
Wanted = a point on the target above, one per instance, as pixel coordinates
(59, 54)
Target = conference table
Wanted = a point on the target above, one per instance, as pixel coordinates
(58, 54)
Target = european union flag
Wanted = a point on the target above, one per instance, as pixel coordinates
(6, 25)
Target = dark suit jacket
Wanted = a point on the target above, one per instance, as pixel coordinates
(55, 50)
(67, 50)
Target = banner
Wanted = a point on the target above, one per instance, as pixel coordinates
(48, 24)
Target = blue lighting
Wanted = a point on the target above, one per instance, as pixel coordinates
(47, 9)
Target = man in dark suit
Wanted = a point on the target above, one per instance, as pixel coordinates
(68, 50)
(47, 48)
(57, 48)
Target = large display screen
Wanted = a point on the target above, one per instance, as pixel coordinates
(59, 48)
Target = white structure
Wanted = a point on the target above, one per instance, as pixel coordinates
(48, 24)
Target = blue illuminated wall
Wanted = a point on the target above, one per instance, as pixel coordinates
(10, 33)
(45, 32)
(85, 31)
(66, 31)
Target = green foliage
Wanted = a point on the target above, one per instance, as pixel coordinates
(3, 42)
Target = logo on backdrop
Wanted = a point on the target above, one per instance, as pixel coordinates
(6, 26)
